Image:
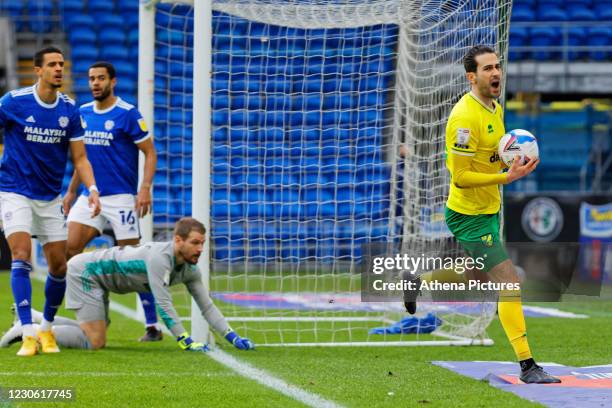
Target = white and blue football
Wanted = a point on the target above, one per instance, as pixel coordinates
(518, 142)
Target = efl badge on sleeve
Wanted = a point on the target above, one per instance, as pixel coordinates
(463, 136)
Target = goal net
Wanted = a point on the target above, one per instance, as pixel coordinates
(328, 123)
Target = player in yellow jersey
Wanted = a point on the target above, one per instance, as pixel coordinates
(473, 131)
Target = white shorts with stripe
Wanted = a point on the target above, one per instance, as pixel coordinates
(39, 218)
(118, 210)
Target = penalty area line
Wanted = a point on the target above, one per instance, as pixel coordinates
(246, 370)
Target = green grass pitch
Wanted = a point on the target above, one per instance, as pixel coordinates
(131, 374)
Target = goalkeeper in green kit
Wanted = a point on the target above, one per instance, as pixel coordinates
(150, 267)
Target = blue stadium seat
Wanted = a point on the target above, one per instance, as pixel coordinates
(133, 37)
(39, 16)
(571, 3)
(551, 14)
(12, 8)
(39, 7)
(125, 69)
(126, 86)
(87, 52)
(523, 3)
(111, 36)
(126, 7)
(580, 13)
(114, 53)
(100, 6)
(604, 13)
(576, 36)
(519, 37)
(598, 36)
(174, 37)
(79, 21)
(131, 20)
(106, 21)
(82, 36)
(544, 37)
(81, 66)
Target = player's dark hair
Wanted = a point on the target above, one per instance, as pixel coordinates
(40, 54)
(110, 68)
(469, 61)
(185, 225)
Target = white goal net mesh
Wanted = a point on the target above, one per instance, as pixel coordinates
(312, 101)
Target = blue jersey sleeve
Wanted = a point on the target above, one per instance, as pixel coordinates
(76, 131)
(136, 126)
(5, 106)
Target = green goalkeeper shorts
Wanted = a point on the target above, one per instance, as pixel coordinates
(479, 236)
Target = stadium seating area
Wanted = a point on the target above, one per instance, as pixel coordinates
(95, 30)
(549, 23)
(103, 30)
(275, 164)
(565, 132)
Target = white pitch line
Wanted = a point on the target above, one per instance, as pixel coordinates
(246, 370)
(264, 378)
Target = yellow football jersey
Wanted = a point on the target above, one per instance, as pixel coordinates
(474, 130)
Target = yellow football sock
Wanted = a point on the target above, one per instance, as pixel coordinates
(510, 312)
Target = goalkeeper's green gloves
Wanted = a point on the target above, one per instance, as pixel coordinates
(239, 342)
(186, 343)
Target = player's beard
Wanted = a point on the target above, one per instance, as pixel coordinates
(53, 83)
(485, 89)
(105, 94)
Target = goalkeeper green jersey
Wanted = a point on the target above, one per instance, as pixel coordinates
(149, 267)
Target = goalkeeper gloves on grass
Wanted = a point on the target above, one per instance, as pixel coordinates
(239, 342)
(186, 343)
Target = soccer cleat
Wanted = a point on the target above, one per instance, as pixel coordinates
(47, 342)
(29, 347)
(410, 297)
(151, 334)
(537, 375)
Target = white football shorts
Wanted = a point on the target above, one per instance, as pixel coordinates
(118, 210)
(39, 218)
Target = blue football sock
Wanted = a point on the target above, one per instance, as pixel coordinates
(22, 289)
(54, 295)
(148, 304)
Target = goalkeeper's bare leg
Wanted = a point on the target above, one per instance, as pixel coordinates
(96, 333)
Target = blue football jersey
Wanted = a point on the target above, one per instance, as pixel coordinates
(111, 137)
(37, 137)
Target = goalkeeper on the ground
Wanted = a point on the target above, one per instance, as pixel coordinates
(150, 267)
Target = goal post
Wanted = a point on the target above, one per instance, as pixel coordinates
(278, 124)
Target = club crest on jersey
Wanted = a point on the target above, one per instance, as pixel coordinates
(63, 121)
(487, 240)
(463, 136)
(109, 125)
(142, 124)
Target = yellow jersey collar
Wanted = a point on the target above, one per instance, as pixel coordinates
(477, 99)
